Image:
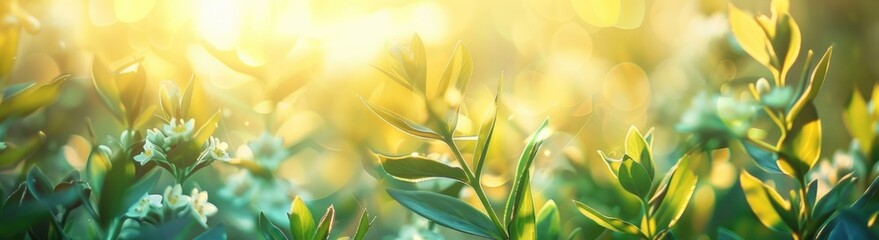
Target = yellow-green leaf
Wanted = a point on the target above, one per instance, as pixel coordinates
(760, 202)
(416, 168)
(810, 89)
(802, 146)
(523, 225)
(532, 147)
(859, 122)
(447, 211)
(614, 224)
(12, 155)
(486, 132)
(301, 220)
(402, 124)
(678, 191)
(549, 222)
(326, 225)
(638, 149)
(459, 69)
(31, 98)
(749, 35)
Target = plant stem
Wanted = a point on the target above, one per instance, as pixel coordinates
(477, 187)
(645, 206)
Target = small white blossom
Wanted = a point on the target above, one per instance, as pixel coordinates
(201, 208)
(158, 138)
(177, 130)
(144, 205)
(174, 197)
(150, 152)
(217, 149)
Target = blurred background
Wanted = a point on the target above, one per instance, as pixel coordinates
(287, 76)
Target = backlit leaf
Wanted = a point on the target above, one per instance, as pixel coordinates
(447, 211)
(638, 149)
(858, 120)
(749, 35)
(532, 147)
(486, 132)
(301, 220)
(416, 168)
(401, 123)
(614, 224)
(678, 191)
(760, 202)
(549, 222)
(802, 146)
(325, 225)
(269, 231)
(810, 88)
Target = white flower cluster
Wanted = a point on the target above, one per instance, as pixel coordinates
(159, 142)
(196, 204)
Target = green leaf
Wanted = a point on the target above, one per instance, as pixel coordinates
(802, 146)
(634, 178)
(132, 86)
(612, 164)
(522, 224)
(418, 66)
(207, 129)
(749, 34)
(401, 123)
(678, 191)
(459, 69)
(575, 234)
(726, 234)
(269, 231)
(31, 98)
(447, 211)
(96, 168)
(834, 199)
(549, 224)
(417, 168)
(852, 224)
(614, 224)
(186, 101)
(12, 155)
(326, 224)
(810, 89)
(486, 132)
(760, 198)
(638, 149)
(364, 225)
(786, 42)
(105, 84)
(766, 160)
(301, 220)
(858, 120)
(214, 233)
(38, 185)
(532, 148)
(170, 99)
(116, 181)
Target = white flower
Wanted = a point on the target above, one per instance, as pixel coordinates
(144, 205)
(217, 149)
(158, 138)
(174, 197)
(178, 130)
(201, 208)
(150, 152)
